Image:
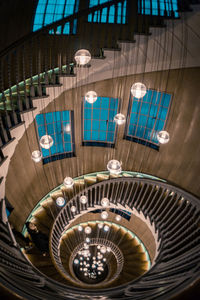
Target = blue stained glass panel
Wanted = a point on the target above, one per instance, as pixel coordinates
(98, 120)
(167, 8)
(113, 14)
(49, 11)
(53, 124)
(147, 116)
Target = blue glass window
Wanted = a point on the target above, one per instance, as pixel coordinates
(99, 128)
(113, 14)
(50, 11)
(167, 8)
(146, 117)
(55, 124)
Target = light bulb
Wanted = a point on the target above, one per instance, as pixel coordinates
(104, 215)
(68, 182)
(87, 239)
(73, 208)
(60, 201)
(83, 199)
(103, 249)
(88, 229)
(80, 228)
(119, 119)
(82, 57)
(76, 261)
(100, 225)
(91, 96)
(118, 218)
(36, 156)
(138, 90)
(106, 228)
(163, 137)
(46, 141)
(105, 202)
(114, 167)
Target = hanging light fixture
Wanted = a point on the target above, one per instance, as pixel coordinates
(68, 182)
(88, 229)
(76, 261)
(106, 228)
(118, 218)
(120, 119)
(104, 215)
(83, 199)
(80, 228)
(100, 225)
(105, 202)
(91, 96)
(60, 201)
(36, 156)
(46, 141)
(114, 167)
(163, 137)
(103, 250)
(73, 208)
(138, 90)
(82, 57)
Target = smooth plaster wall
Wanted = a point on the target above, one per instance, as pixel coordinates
(177, 162)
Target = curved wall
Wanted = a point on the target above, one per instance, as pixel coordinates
(177, 162)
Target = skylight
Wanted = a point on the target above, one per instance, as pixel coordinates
(146, 117)
(99, 128)
(50, 11)
(59, 125)
(158, 7)
(114, 14)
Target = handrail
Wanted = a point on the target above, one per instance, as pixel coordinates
(81, 13)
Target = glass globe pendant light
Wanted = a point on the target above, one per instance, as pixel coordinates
(114, 167)
(106, 228)
(88, 229)
(80, 228)
(118, 218)
(82, 57)
(76, 261)
(46, 141)
(36, 156)
(163, 137)
(104, 215)
(100, 225)
(73, 208)
(119, 119)
(138, 90)
(60, 201)
(91, 96)
(103, 249)
(68, 182)
(83, 199)
(105, 202)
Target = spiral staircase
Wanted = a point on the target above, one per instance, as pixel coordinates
(171, 212)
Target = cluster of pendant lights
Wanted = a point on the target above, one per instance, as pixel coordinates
(91, 266)
(138, 90)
